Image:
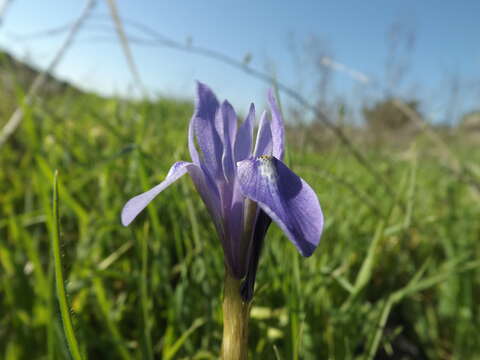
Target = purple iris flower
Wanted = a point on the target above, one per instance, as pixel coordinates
(244, 187)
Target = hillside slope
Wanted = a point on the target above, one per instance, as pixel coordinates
(16, 74)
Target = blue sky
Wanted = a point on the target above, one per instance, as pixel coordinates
(353, 32)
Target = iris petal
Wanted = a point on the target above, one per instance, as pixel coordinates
(136, 204)
(243, 141)
(285, 197)
(191, 142)
(226, 125)
(209, 194)
(278, 128)
(263, 145)
(261, 227)
(205, 131)
(227, 120)
(235, 223)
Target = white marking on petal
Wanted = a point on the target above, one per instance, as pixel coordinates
(267, 168)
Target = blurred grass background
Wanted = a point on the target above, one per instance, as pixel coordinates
(396, 276)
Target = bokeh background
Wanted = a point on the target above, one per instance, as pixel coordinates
(382, 107)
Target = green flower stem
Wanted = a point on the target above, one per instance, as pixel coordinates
(235, 321)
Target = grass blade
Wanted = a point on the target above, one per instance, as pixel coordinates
(170, 352)
(59, 280)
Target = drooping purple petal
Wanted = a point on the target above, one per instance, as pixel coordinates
(264, 143)
(136, 204)
(278, 127)
(205, 131)
(285, 197)
(243, 141)
(191, 142)
(227, 120)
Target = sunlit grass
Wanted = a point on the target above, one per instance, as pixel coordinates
(391, 275)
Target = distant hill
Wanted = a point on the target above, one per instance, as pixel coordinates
(16, 74)
(471, 121)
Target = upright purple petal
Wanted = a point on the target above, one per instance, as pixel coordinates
(278, 127)
(206, 133)
(285, 197)
(206, 104)
(243, 141)
(235, 229)
(261, 227)
(264, 143)
(228, 120)
(136, 204)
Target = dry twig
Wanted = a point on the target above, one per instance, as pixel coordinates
(125, 46)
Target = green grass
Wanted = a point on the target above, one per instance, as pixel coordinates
(59, 281)
(392, 275)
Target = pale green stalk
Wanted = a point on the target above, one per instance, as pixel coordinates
(235, 321)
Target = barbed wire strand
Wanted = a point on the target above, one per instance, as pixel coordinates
(161, 40)
(263, 76)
